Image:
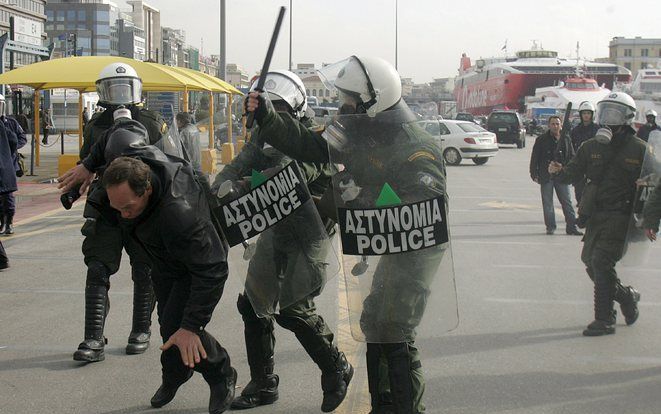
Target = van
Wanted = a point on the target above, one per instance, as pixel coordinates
(508, 127)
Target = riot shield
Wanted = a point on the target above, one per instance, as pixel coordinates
(638, 249)
(393, 218)
(293, 257)
(171, 143)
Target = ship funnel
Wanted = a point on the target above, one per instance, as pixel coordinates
(465, 63)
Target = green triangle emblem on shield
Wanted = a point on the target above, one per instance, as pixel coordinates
(256, 179)
(388, 197)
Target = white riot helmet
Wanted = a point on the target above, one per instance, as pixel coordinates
(649, 112)
(286, 86)
(119, 84)
(618, 108)
(370, 81)
(3, 104)
(586, 106)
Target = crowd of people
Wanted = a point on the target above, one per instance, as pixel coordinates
(157, 206)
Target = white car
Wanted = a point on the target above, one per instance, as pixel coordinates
(462, 139)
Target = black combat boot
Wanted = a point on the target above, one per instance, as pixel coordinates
(258, 333)
(222, 394)
(143, 304)
(600, 327)
(9, 226)
(96, 308)
(167, 391)
(628, 298)
(3, 220)
(335, 382)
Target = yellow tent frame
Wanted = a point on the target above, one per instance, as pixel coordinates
(81, 73)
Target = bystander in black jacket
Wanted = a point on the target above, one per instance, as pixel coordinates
(582, 133)
(542, 154)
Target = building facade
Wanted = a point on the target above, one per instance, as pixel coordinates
(148, 18)
(173, 41)
(635, 54)
(236, 76)
(131, 40)
(82, 28)
(29, 23)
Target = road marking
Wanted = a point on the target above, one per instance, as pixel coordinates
(357, 400)
(42, 231)
(535, 266)
(46, 214)
(514, 243)
(58, 291)
(518, 301)
(3, 347)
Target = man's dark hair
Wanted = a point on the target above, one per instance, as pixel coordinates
(184, 118)
(131, 170)
(556, 117)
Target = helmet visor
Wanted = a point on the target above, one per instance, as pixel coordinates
(119, 91)
(347, 75)
(613, 113)
(2, 107)
(281, 87)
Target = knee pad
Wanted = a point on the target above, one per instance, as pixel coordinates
(292, 323)
(141, 273)
(98, 274)
(245, 308)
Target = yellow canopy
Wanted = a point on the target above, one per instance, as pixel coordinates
(81, 73)
(211, 82)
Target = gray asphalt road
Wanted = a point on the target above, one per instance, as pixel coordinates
(523, 297)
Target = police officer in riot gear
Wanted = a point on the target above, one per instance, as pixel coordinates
(118, 87)
(612, 168)
(372, 86)
(581, 133)
(644, 131)
(287, 94)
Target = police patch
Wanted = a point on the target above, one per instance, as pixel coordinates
(422, 154)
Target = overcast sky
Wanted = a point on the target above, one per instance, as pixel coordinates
(432, 34)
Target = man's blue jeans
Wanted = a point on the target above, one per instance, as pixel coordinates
(564, 196)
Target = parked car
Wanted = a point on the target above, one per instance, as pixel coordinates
(464, 116)
(508, 127)
(462, 139)
(323, 113)
(481, 121)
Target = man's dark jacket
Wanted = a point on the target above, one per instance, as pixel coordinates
(582, 133)
(177, 231)
(542, 154)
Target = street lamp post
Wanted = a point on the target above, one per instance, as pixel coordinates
(290, 34)
(396, 32)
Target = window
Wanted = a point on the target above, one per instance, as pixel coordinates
(102, 29)
(71, 15)
(60, 15)
(81, 15)
(432, 128)
(644, 52)
(627, 65)
(103, 43)
(444, 129)
(50, 15)
(102, 16)
(314, 92)
(327, 93)
(470, 127)
(627, 52)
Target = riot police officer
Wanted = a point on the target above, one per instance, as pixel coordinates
(372, 87)
(612, 167)
(644, 131)
(287, 94)
(105, 236)
(585, 130)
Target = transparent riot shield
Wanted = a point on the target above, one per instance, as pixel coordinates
(393, 220)
(171, 143)
(292, 257)
(638, 249)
